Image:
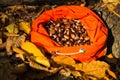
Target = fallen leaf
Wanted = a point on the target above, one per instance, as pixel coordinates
(37, 66)
(111, 5)
(3, 17)
(14, 41)
(65, 72)
(23, 55)
(37, 54)
(12, 28)
(43, 8)
(114, 2)
(109, 56)
(19, 40)
(111, 8)
(10, 34)
(111, 74)
(1, 37)
(40, 67)
(33, 74)
(19, 52)
(25, 26)
(64, 60)
(0, 41)
(97, 69)
(9, 43)
(31, 62)
(76, 73)
(16, 7)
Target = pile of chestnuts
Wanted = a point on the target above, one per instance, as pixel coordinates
(67, 32)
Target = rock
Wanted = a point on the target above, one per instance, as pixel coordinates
(113, 23)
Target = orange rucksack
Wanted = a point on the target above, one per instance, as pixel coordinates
(95, 28)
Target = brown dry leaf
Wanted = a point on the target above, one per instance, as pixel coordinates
(19, 40)
(114, 2)
(9, 43)
(10, 34)
(76, 73)
(0, 41)
(40, 67)
(77, 2)
(14, 41)
(111, 8)
(64, 60)
(94, 68)
(43, 8)
(31, 62)
(3, 17)
(1, 37)
(37, 66)
(16, 7)
(65, 71)
(111, 5)
(19, 52)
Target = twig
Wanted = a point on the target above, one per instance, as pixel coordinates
(118, 15)
(10, 34)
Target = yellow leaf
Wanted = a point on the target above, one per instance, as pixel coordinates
(106, 78)
(12, 28)
(25, 26)
(95, 68)
(110, 56)
(38, 55)
(111, 74)
(64, 60)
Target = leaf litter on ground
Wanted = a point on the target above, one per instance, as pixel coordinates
(17, 42)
